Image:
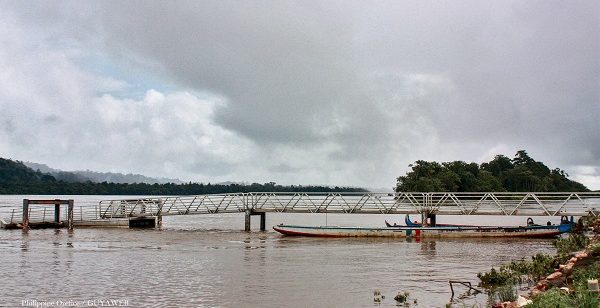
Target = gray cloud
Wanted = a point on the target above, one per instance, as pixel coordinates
(357, 90)
(284, 168)
(278, 68)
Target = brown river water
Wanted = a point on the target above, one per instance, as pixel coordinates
(209, 261)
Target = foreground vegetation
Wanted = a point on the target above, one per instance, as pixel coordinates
(576, 293)
(522, 173)
(16, 178)
(501, 284)
(540, 265)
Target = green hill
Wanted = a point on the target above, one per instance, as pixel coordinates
(520, 174)
(98, 177)
(15, 172)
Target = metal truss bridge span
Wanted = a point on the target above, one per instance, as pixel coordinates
(439, 203)
(148, 211)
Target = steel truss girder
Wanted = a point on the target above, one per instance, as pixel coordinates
(443, 203)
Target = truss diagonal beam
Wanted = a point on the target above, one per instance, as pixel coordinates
(442, 203)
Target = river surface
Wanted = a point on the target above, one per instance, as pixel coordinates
(209, 261)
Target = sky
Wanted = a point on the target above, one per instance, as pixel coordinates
(345, 93)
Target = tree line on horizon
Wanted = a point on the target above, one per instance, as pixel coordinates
(519, 174)
(16, 178)
(502, 174)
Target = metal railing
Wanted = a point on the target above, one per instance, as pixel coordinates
(441, 203)
(84, 211)
(176, 205)
(46, 214)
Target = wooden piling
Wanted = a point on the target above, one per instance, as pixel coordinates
(70, 208)
(263, 221)
(159, 220)
(159, 217)
(247, 220)
(57, 211)
(25, 222)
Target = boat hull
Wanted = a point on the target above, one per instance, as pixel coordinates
(423, 232)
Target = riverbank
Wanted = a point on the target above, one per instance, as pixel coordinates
(568, 279)
(569, 285)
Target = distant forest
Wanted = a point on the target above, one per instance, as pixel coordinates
(98, 177)
(519, 174)
(16, 178)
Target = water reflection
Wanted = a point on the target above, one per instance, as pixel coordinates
(251, 243)
(24, 243)
(428, 248)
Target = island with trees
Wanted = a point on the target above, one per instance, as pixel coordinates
(519, 174)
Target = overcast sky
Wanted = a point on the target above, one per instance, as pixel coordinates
(306, 92)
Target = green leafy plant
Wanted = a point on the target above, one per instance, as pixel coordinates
(552, 298)
(506, 293)
(587, 299)
(564, 246)
(496, 277)
(595, 249)
(540, 265)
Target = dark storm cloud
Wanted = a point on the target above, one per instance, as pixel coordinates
(278, 63)
(515, 66)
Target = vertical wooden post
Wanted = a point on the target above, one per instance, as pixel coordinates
(263, 221)
(57, 211)
(247, 220)
(159, 220)
(70, 208)
(25, 221)
(159, 213)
